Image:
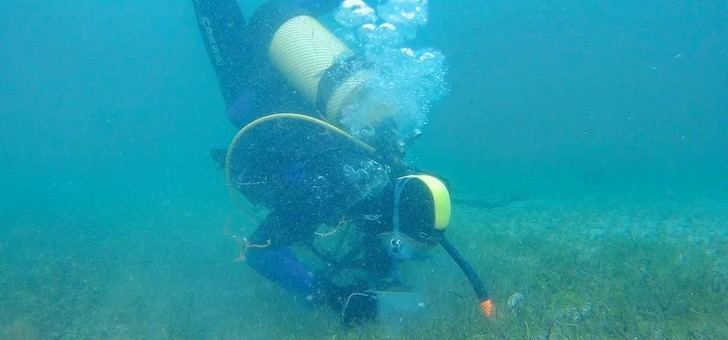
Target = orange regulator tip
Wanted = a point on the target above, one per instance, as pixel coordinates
(487, 307)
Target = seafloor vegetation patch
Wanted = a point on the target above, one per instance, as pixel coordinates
(558, 270)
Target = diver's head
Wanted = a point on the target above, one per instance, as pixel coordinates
(421, 213)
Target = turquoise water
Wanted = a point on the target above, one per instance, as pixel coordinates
(608, 122)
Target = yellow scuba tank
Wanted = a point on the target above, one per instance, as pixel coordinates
(317, 64)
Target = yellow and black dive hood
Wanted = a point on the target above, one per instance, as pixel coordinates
(421, 208)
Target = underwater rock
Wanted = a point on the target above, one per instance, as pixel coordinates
(515, 302)
(582, 313)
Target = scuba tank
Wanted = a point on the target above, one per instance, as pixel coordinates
(312, 60)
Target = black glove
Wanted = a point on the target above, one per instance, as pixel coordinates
(352, 301)
(359, 307)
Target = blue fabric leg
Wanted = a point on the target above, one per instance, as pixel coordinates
(281, 266)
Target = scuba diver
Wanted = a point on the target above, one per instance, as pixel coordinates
(306, 171)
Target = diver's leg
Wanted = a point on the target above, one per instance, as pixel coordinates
(249, 84)
(223, 30)
(222, 26)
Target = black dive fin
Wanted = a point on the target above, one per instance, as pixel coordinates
(223, 30)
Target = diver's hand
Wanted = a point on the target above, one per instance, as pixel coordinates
(354, 303)
(359, 307)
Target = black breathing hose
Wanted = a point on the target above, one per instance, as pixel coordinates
(485, 303)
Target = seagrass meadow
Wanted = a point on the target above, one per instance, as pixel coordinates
(584, 144)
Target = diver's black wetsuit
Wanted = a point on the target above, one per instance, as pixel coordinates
(248, 81)
(319, 190)
(366, 188)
